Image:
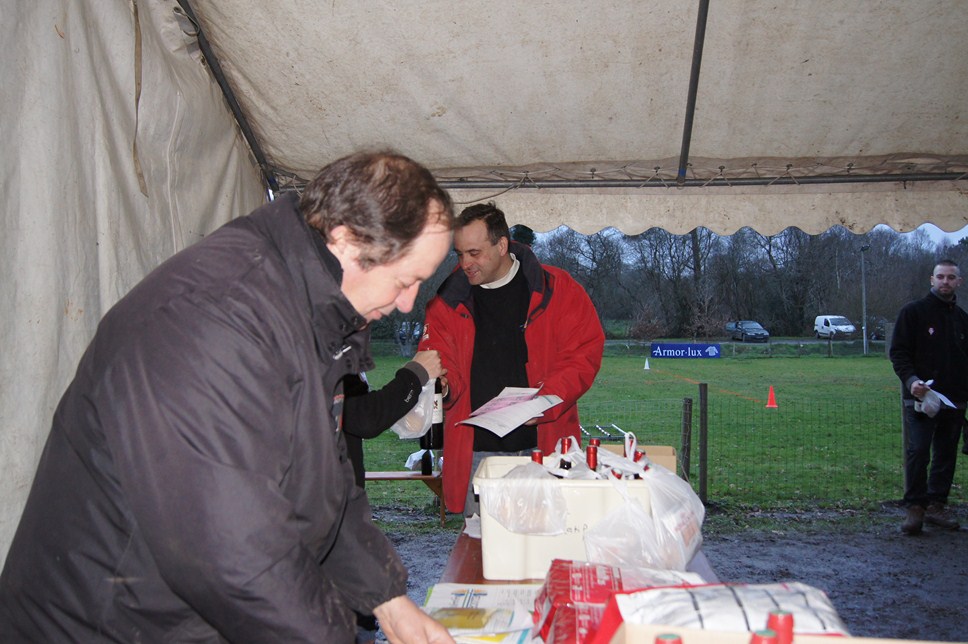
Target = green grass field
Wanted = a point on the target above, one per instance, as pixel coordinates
(834, 439)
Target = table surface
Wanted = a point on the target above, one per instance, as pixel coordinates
(465, 565)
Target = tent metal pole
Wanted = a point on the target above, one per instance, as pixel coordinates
(693, 90)
(213, 64)
(715, 182)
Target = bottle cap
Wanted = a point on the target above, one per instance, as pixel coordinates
(781, 622)
(765, 636)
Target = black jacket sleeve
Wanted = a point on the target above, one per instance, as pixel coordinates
(367, 414)
(903, 348)
(370, 414)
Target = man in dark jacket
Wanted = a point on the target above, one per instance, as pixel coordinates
(929, 351)
(195, 485)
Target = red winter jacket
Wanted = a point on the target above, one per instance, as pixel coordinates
(565, 341)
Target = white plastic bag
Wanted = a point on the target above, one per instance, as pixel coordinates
(667, 538)
(678, 514)
(626, 536)
(418, 420)
(930, 404)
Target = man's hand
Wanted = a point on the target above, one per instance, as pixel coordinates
(403, 622)
(920, 387)
(430, 360)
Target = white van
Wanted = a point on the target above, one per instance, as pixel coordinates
(833, 326)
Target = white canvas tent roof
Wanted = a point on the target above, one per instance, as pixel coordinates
(574, 96)
(122, 147)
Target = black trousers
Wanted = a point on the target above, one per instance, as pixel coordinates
(930, 454)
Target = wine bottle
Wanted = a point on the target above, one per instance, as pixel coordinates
(434, 438)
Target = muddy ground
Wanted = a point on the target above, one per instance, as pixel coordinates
(882, 583)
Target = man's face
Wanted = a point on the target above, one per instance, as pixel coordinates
(945, 279)
(482, 261)
(380, 290)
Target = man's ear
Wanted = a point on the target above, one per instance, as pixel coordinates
(504, 244)
(343, 245)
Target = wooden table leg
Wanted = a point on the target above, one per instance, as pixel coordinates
(436, 486)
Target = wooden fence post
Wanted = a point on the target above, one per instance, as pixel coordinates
(703, 439)
(685, 441)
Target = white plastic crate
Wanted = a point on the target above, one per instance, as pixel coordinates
(511, 556)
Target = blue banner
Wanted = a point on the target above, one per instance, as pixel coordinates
(663, 350)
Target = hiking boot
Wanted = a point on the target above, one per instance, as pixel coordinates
(914, 521)
(937, 515)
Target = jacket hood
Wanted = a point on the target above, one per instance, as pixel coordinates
(456, 290)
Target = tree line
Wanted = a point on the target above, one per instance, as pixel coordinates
(658, 284)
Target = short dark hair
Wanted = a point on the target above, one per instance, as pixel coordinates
(383, 198)
(491, 215)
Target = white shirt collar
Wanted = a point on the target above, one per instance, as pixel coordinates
(515, 264)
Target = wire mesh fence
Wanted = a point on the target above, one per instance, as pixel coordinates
(843, 453)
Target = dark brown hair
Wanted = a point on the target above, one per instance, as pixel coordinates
(491, 215)
(383, 198)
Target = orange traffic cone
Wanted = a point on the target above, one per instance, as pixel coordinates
(771, 401)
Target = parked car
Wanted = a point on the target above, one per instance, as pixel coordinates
(747, 331)
(833, 326)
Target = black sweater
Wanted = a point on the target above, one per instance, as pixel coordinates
(931, 342)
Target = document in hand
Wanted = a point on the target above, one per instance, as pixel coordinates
(510, 408)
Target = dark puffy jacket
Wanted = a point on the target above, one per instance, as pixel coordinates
(195, 485)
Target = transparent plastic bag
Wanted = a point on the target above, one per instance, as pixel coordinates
(418, 420)
(667, 538)
(626, 536)
(527, 500)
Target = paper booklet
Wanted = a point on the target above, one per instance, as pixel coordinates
(510, 408)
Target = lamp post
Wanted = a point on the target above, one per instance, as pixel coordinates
(863, 293)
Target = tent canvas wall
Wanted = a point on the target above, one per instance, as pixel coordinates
(122, 147)
(100, 184)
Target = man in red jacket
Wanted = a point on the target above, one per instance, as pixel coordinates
(505, 320)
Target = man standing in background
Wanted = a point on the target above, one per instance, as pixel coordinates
(929, 351)
(505, 320)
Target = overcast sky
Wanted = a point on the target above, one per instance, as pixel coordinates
(937, 234)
